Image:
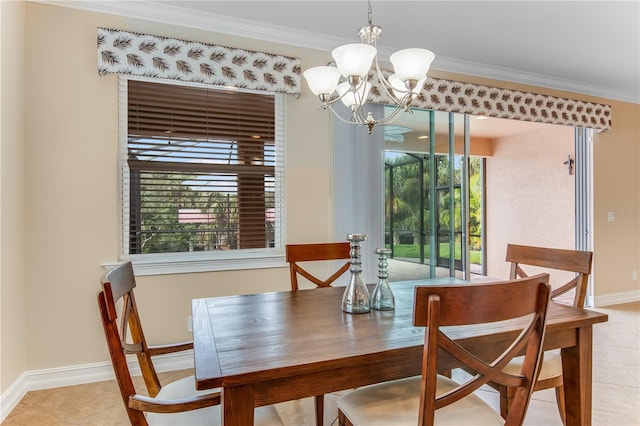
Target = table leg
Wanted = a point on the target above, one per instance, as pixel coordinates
(577, 377)
(237, 405)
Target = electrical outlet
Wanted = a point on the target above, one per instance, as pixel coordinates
(189, 324)
(634, 275)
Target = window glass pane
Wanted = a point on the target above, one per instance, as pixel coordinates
(202, 169)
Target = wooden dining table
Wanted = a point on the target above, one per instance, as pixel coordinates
(266, 348)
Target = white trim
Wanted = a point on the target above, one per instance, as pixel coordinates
(281, 154)
(81, 374)
(168, 14)
(158, 12)
(11, 398)
(189, 262)
(615, 298)
(123, 168)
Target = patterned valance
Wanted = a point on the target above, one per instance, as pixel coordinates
(125, 52)
(466, 98)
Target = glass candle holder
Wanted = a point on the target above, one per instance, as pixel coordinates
(356, 299)
(382, 298)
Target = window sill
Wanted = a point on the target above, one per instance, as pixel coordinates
(184, 263)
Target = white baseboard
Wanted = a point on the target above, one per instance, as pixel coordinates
(615, 299)
(80, 374)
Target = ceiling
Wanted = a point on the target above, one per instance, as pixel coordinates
(480, 127)
(589, 47)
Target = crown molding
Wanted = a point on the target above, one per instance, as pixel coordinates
(168, 14)
(158, 12)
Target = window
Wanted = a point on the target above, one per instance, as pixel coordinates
(202, 177)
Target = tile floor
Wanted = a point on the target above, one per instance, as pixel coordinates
(616, 389)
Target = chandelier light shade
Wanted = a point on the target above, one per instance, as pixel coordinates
(322, 80)
(354, 60)
(412, 64)
(347, 81)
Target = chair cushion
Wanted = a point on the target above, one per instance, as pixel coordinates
(551, 365)
(185, 388)
(396, 403)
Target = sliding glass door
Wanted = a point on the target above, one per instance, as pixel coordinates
(418, 187)
(433, 196)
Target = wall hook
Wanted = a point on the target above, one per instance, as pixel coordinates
(569, 164)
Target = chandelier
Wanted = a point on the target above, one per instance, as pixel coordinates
(353, 62)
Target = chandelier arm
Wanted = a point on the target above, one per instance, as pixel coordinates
(399, 109)
(360, 117)
(402, 105)
(359, 113)
(389, 118)
(360, 101)
(332, 101)
(386, 86)
(339, 117)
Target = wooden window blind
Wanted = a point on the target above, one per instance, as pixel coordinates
(203, 169)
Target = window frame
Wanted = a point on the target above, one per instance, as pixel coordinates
(200, 261)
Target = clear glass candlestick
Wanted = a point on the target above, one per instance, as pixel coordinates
(355, 299)
(382, 298)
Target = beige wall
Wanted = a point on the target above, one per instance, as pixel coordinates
(13, 290)
(616, 184)
(71, 193)
(72, 186)
(526, 175)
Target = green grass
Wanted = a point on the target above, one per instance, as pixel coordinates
(412, 251)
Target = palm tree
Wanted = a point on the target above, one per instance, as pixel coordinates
(407, 185)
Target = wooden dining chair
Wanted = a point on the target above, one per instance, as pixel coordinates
(548, 260)
(302, 253)
(431, 398)
(175, 403)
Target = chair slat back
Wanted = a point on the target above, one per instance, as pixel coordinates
(316, 252)
(455, 305)
(551, 259)
(118, 285)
